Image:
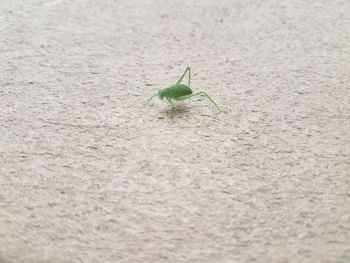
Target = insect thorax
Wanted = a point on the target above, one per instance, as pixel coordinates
(174, 91)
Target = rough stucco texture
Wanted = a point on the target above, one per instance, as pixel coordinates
(89, 174)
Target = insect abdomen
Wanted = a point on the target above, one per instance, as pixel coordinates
(176, 91)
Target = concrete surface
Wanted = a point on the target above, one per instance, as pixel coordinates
(88, 174)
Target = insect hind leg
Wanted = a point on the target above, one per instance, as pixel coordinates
(198, 94)
(188, 69)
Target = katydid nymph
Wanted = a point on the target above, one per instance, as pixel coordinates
(180, 92)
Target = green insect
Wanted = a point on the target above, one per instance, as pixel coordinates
(179, 92)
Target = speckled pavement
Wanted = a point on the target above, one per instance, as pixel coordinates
(89, 174)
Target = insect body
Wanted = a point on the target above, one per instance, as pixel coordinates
(174, 91)
(179, 92)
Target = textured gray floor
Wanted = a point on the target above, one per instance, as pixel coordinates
(88, 174)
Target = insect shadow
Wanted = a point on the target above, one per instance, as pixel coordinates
(181, 110)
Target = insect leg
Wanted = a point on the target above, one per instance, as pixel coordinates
(188, 69)
(197, 94)
(150, 99)
(173, 108)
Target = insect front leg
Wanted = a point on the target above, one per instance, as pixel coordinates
(173, 108)
(146, 103)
